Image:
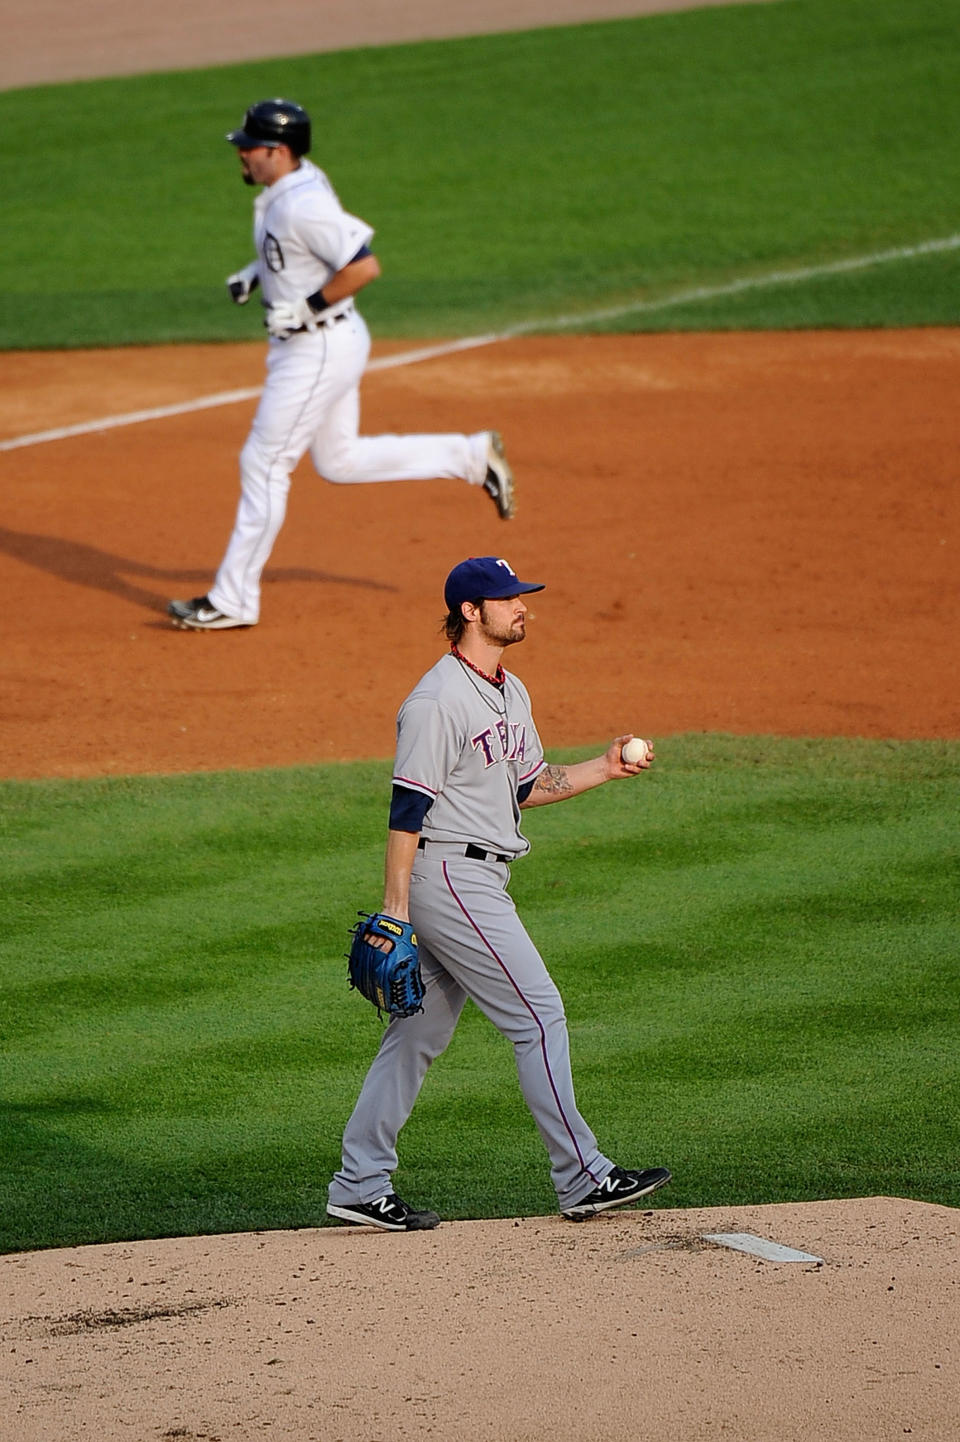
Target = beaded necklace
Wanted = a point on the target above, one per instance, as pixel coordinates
(499, 680)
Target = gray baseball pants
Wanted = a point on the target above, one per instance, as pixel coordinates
(472, 944)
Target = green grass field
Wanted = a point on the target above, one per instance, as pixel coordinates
(756, 946)
(757, 943)
(515, 177)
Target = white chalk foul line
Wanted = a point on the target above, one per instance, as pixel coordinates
(227, 398)
(751, 282)
(132, 418)
(563, 322)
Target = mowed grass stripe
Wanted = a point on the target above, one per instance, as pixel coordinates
(516, 177)
(754, 944)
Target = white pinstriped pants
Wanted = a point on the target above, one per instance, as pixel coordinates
(472, 944)
(311, 401)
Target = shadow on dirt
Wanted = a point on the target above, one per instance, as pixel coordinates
(86, 565)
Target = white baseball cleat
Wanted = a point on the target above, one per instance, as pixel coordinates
(200, 615)
(498, 482)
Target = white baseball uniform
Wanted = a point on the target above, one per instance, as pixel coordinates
(311, 396)
(472, 748)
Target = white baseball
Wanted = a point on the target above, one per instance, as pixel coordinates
(635, 751)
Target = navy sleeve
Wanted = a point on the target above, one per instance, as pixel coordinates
(524, 790)
(316, 302)
(408, 808)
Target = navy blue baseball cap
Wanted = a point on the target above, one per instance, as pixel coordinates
(484, 578)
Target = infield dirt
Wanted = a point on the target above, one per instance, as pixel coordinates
(741, 533)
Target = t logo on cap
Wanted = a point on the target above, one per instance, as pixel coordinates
(484, 578)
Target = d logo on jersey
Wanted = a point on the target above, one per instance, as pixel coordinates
(272, 253)
(507, 741)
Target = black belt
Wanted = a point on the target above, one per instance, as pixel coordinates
(475, 853)
(330, 320)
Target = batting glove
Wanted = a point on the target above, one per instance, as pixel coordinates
(284, 317)
(242, 285)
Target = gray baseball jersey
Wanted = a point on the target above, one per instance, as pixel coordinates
(469, 746)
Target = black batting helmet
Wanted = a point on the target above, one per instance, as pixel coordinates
(273, 123)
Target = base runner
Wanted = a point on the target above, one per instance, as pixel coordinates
(312, 259)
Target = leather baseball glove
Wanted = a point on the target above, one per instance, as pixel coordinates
(388, 972)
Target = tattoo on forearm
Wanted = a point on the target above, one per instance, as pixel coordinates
(554, 780)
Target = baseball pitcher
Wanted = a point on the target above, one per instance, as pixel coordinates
(468, 761)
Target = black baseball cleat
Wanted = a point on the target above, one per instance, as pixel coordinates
(617, 1190)
(498, 482)
(388, 1213)
(200, 615)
